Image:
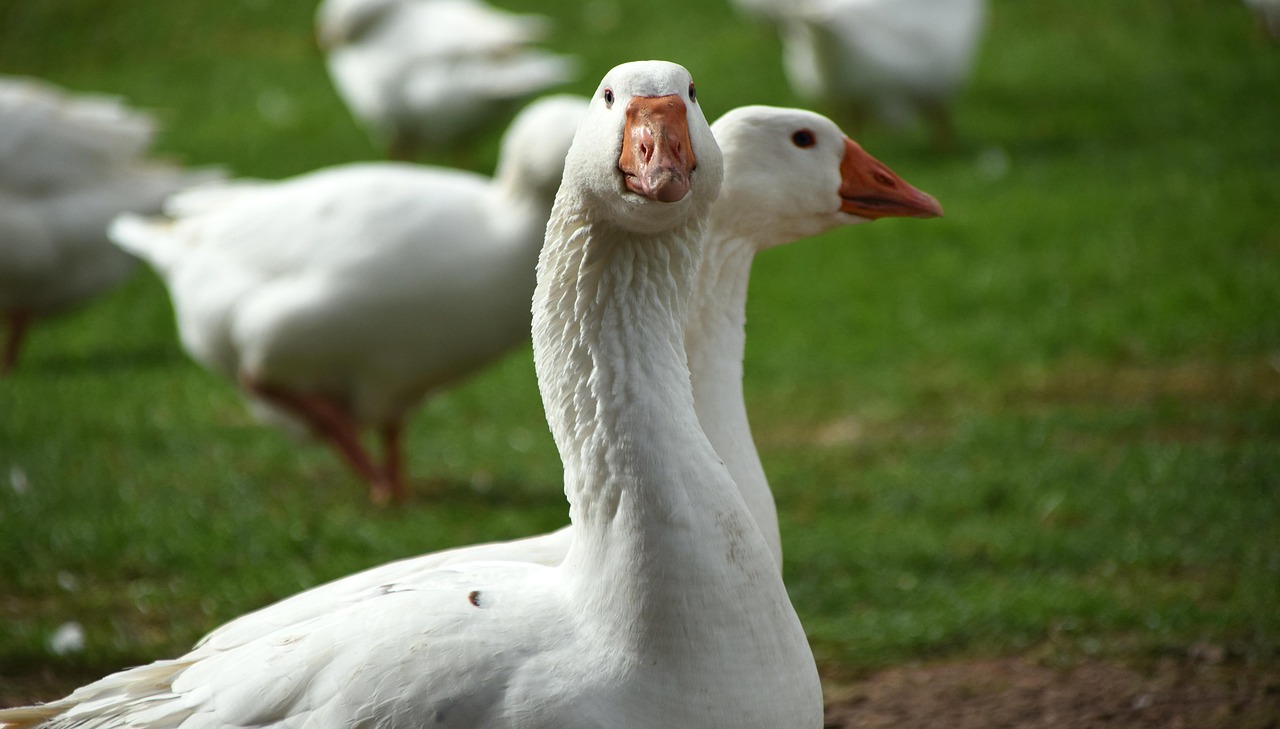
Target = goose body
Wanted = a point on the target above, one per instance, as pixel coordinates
(68, 165)
(427, 73)
(344, 296)
(775, 191)
(894, 59)
(667, 609)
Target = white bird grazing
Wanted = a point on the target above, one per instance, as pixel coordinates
(1268, 14)
(667, 610)
(892, 59)
(68, 165)
(788, 174)
(427, 73)
(345, 296)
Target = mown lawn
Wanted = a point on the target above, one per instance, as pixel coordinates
(1047, 422)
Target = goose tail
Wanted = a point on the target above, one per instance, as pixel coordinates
(148, 238)
(138, 696)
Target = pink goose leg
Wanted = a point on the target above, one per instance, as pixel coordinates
(330, 422)
(19, 319)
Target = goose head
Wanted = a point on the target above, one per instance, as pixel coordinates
(791, 173)
(623, 240)
(641, 147)
(534, 146)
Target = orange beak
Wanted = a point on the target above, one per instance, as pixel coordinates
(870, 190)
(657, 157)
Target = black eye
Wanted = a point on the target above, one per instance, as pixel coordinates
(608, 97)
(693, 95)
(804, 139)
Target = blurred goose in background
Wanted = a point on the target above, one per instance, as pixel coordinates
(1268, 14)
(772, 11)
(888, 59)
(788, 174)
(69, 163)
(429, 73)
(343, 297)
(667, 610)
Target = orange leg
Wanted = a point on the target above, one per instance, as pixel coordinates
(329, 421)
(402, 148)
(18, 321)
(390, 485)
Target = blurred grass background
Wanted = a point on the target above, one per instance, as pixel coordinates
(1049, 422)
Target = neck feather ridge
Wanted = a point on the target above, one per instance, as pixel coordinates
(666, 558)
(609, 351)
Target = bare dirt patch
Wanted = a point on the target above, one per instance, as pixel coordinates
(1009, 693)
(1246, 380)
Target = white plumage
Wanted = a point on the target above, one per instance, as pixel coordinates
(69, 163)
(429, 73)
(789, 174)
(668, 609)
(894, 59)
(344, 296)
(775, 191)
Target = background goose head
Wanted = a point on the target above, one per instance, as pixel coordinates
(647, 114)
(791, 173)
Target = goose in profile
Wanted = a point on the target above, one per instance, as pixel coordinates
(668, 608)
(789, 174)
(342, 298)
(69, 163)
(430, 73)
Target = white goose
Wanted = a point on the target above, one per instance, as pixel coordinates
(1268, 14)
(68, 165)
(668, 609)
(427, 73)
(893, 59)
(343, 297)
(788, 174)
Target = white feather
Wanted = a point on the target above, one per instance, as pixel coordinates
(668, 609)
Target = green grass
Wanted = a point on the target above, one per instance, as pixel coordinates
(1050, 419)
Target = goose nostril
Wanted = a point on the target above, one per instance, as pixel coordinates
(647, 145)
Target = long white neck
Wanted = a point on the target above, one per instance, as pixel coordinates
(716, 342)
(662, 538)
